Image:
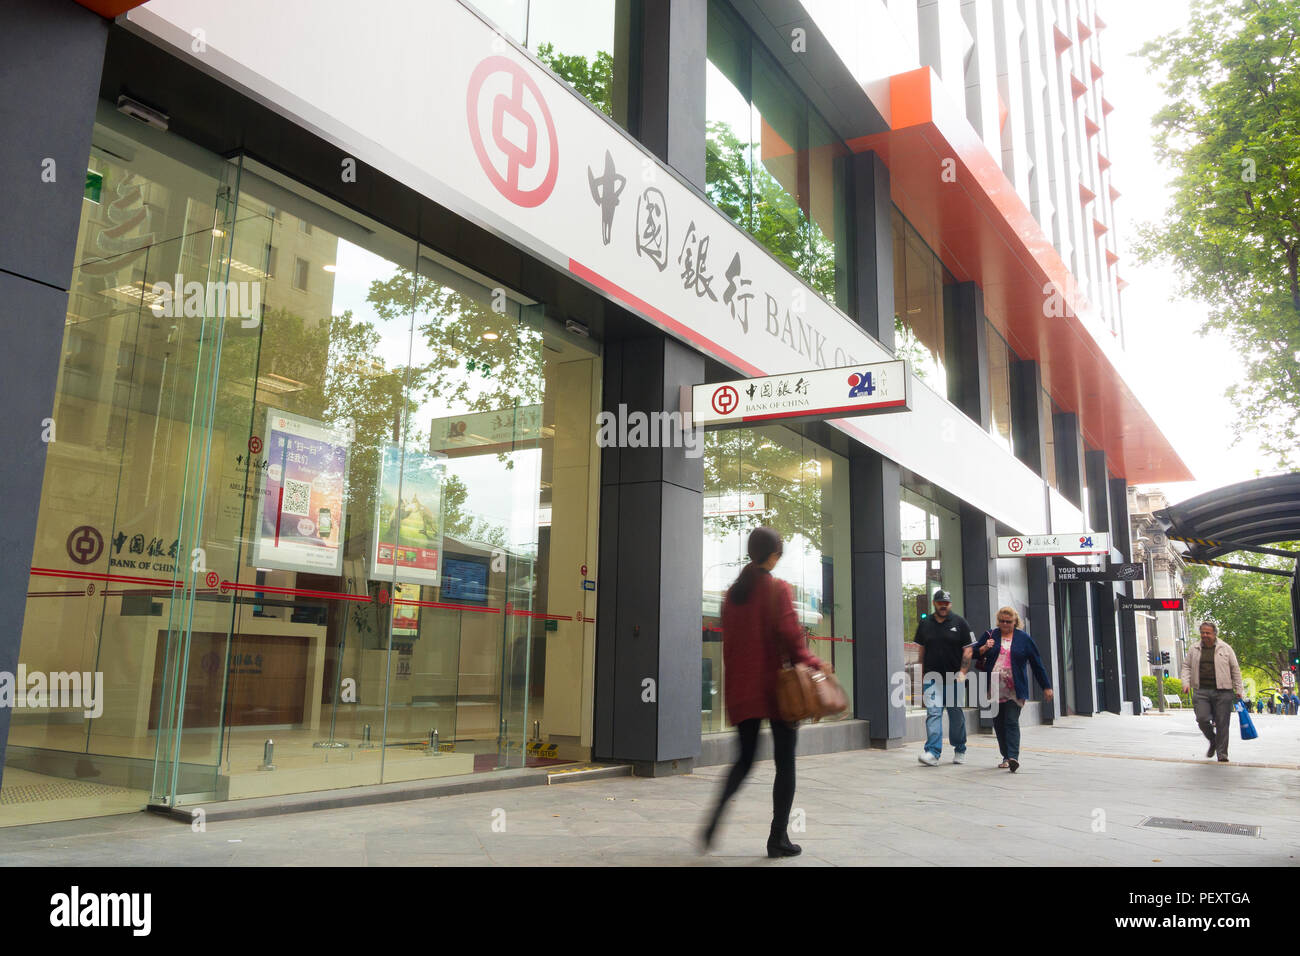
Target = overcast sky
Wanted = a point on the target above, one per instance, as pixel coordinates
(1182, 376)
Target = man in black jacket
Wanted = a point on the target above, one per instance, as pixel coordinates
(945, 640)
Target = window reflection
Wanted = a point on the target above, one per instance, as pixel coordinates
(773, 476)
(771, 163)
(919, 304)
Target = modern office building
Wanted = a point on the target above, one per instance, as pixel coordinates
(311, 312)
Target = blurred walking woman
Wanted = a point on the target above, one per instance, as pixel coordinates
(1004, 652)
(759, 630)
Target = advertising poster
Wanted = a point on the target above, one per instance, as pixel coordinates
(408, 519)
(304, 472)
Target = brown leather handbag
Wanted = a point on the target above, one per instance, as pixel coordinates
(803, 692)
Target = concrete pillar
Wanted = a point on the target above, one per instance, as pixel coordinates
(1129, 654)
(876, 533)
(1103, 595)
(873, 248)
(650, 588)
(668, 112)
(1069, 458)
(53, 55)
(968, 372)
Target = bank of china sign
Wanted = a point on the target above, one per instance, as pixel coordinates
(1047, 545)
(830, 393)
(483, 130)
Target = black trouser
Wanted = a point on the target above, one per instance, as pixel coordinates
(783, 740)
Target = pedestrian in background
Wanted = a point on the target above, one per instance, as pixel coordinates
(760, 630)
(945, 642)
(1005, 651)
(1210, 668)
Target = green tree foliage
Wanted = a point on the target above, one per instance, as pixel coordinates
(1253, 611)
(1231, 131)
(594, 78)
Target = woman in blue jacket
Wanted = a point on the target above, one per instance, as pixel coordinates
(1005, 651)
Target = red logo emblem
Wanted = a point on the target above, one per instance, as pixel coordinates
(504, 103)
(1016, 544)
(725, 400)
(212, 579)
(255, 444)
(85, 544)
(918, 547)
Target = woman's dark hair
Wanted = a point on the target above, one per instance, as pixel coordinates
(763, 543)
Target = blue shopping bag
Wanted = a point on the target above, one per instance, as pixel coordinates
(1248, 731)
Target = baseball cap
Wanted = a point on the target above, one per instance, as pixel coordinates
(942, 595)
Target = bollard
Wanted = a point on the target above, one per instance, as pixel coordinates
(433, 741)
(365, 734)
(268, 755)
(537, 730)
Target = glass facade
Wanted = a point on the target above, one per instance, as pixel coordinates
(773, 476)
(931, 551)
(1000, 361)
(772, 163)
(586, 43)
(920, 306)
(303, 491)
(1046, 409)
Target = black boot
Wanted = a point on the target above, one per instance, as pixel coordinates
(778, 844)
(710, 831)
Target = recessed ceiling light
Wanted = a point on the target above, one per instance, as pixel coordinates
(491, 336)
(330, 268)
(217, 232)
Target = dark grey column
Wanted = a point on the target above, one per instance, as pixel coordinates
(979, 571)
(979, 568)
(968, 351)
(669, 116)
(1042, 614)
(1081, 643)
(1103, 597)
(1030, 438)
(1128, 635)
(650, 588)
(53, 55)
(876, 533)
(1069, 457)
(873, 249)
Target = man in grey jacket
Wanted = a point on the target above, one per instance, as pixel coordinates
(1211, 670)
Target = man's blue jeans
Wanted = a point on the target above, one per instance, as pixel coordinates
(934, 723)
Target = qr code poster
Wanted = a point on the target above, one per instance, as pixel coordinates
(301, 520)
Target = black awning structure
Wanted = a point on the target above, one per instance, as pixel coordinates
(1249, 515)
(1258, 512)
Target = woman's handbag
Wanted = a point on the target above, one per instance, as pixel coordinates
(803, 692)
(1248, 731)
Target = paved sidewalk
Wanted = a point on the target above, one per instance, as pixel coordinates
(1084, 787)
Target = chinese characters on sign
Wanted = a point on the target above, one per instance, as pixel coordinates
(821, 393)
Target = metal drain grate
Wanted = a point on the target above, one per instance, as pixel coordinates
(1201, 826)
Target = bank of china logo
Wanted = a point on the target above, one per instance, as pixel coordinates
(861, 383)
(512, 131)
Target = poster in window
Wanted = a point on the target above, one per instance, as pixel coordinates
(303, 475)
(408, 518)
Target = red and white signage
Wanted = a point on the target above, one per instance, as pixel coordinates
(920, 549)
(1053, 545)
(718, 505)
(819, 393)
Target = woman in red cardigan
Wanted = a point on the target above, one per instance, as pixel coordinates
(759, 630)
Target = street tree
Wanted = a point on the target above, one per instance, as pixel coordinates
(1230, 129)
